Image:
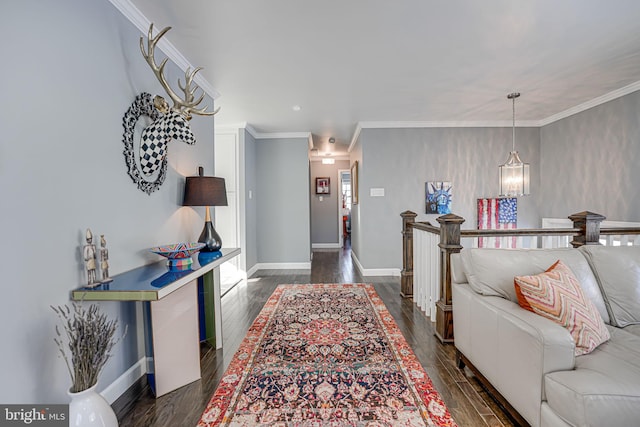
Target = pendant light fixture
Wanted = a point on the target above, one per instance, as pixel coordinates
(514, 174)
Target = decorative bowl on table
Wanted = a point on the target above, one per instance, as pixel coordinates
(178, 254)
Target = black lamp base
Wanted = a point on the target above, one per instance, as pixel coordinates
(210, 238)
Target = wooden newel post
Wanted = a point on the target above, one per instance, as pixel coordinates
(406, 276)
(449, 244)
(589, 225)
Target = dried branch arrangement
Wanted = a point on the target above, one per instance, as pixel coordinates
(88, 344)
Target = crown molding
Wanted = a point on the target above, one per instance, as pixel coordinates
(137, 18)
(282, 135)
(267, 135)
(437, 124)
(234, 127)
(354, 138)
(447, 124)
(618, 93)
(251, 130)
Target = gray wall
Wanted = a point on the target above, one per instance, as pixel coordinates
(324, 214)
(251, 214)
(590, 162)
(282, 197)
(402, 160)
(72, 68)
(356, 235)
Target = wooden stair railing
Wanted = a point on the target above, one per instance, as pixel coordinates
(586, 231)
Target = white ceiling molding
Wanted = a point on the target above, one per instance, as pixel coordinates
(447, 124)
(266, 135)
(354, 138)
(231, 128)
(437, 124)
(282, 135)
(251, 130)
(133, 14)
(618, 93)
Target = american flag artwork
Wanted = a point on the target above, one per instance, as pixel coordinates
(497, 214)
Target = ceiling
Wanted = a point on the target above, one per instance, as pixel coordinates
(345, 62)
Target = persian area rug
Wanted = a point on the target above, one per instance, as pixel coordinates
(325, 355)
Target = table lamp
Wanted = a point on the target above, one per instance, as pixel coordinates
(206, 191)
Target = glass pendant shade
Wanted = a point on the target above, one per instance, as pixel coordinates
(514, 174)
(514, 177)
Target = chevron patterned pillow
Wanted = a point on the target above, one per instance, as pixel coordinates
(556, 294)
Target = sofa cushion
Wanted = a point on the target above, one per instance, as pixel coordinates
(604, 389)
(617, 269)
(556, 295)
(491, 271)
(632, 329)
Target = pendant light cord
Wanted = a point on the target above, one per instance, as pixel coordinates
(513, 129)
(512, 97)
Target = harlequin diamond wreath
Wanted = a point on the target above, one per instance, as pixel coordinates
(142, 106)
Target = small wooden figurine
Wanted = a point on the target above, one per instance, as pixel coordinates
(104, 260)
(89, 255)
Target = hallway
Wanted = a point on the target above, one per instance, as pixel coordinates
(467, 402)
(333, 265)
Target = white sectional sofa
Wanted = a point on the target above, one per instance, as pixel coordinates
(528, 359)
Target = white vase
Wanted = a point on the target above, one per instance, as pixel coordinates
(89, 409)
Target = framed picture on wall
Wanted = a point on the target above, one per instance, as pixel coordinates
(438, 195)
(498, 214)
(354, 183)
(322, 185)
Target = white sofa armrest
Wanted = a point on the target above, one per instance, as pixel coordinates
(513, 348)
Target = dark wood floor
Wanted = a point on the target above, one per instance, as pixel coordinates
(468, 403)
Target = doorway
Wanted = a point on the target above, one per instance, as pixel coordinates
(228, 165)
(344, 207)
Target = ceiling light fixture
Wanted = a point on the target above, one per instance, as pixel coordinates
(328, 161)
(296, 108)
(514, 174)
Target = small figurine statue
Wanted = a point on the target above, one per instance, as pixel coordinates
(89, 254)
(104, 260)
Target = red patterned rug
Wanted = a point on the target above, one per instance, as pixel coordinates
(325, 355)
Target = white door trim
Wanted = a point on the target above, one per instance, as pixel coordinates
(340, 239)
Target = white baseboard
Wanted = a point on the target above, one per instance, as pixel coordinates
(114, 390)
(325, 246)
(283, 266)
(395, 272)
(252, 270)
(374, 271)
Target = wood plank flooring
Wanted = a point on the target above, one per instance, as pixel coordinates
(467, 401)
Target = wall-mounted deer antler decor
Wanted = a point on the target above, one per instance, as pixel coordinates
(167, 122)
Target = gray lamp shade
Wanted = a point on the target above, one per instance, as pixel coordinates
(204, 191)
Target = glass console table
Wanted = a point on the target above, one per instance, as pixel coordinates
(181, 309)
